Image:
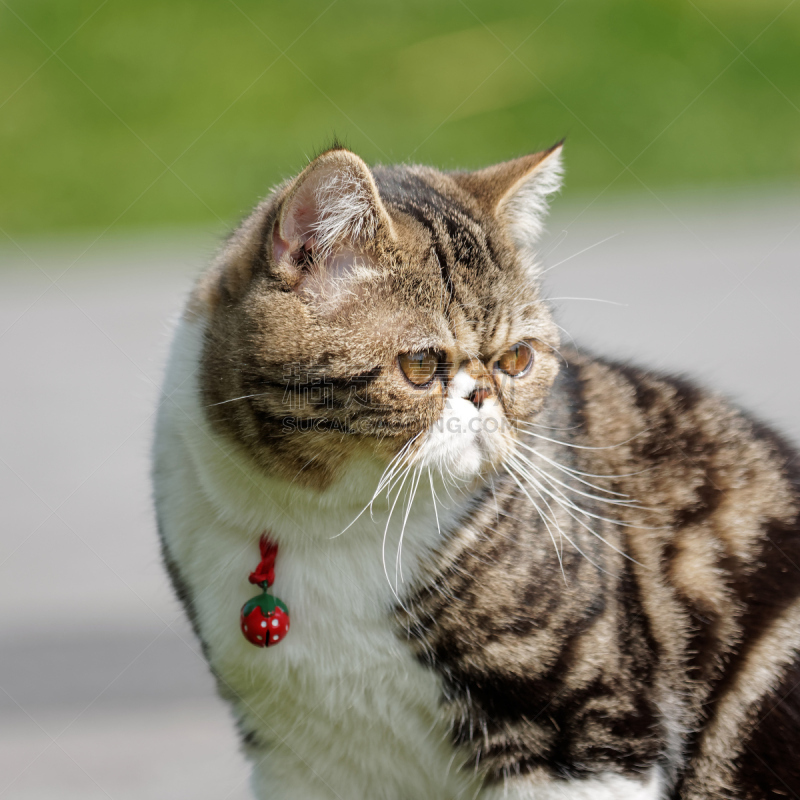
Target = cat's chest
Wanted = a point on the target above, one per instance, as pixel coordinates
(343, 658)
(343, 681)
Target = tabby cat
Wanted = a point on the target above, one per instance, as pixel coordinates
(513, 570)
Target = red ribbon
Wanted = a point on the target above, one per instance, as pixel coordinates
(265, 571)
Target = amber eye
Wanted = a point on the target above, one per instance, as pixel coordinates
(516, 361)
(419, 368)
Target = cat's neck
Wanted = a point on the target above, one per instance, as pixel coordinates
(370, 540)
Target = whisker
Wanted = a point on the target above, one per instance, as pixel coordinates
(624, 500)
(533, 502)
(550, 427)
(435, 511)
(408, 464)
(388, 479)
(591, 300)
(494, 497)
(566, 508)
(558, 496)
(234, 399)
(580, 446)
(541, 516)
(385, 535)
(574, 471)
(571, 472)
(558, 527)
(552, 247)
(451, 481)
(569, 335)
(391, 468)
(581, 252)
(621, 523)
(554, 349)
(412, 494)
(313, 458)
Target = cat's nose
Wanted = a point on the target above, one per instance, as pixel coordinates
(479, 395)
(482, 383)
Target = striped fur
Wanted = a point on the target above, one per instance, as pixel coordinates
(599, 599)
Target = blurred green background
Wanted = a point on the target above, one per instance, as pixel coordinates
(184, 112)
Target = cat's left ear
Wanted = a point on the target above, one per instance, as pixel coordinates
(518, 192)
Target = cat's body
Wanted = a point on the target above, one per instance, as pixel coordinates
(597, 592)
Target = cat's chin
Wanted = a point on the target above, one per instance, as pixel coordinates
(471, 468)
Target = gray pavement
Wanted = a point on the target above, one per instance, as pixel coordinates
(102, 690)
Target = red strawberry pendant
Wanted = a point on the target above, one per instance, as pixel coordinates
(265, 619)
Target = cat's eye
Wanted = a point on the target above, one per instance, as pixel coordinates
(419, 368)
(517, 360)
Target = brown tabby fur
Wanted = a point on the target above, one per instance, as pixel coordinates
(672, 639)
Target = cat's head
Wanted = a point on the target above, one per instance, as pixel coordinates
(374, 312)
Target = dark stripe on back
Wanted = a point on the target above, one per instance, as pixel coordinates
(769, 765)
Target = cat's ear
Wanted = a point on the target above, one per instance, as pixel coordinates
(517, 192)
(327, 226)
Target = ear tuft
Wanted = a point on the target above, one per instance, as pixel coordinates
(336, 144)
(347, 210)
(327, 223)
(333, 201)
(525, 205)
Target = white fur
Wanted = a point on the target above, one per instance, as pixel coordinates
(340, 708)
(343, 705)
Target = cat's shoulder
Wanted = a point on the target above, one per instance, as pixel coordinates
(665, 410)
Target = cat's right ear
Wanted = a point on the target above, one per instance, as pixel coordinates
(517, 193)
(327, 225)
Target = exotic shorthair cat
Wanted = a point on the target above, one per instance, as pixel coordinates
(513, 570)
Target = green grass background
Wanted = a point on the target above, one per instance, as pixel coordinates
(170, 112)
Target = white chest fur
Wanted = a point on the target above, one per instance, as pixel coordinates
(340, 708)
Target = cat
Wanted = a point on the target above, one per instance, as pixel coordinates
(514, 570)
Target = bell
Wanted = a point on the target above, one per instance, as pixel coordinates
(265, 620)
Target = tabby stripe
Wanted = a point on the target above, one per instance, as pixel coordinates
(760, 673)
(429, 221)
(444, 269)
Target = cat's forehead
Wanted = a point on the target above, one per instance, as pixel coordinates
(443, 216)
(452, 243)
